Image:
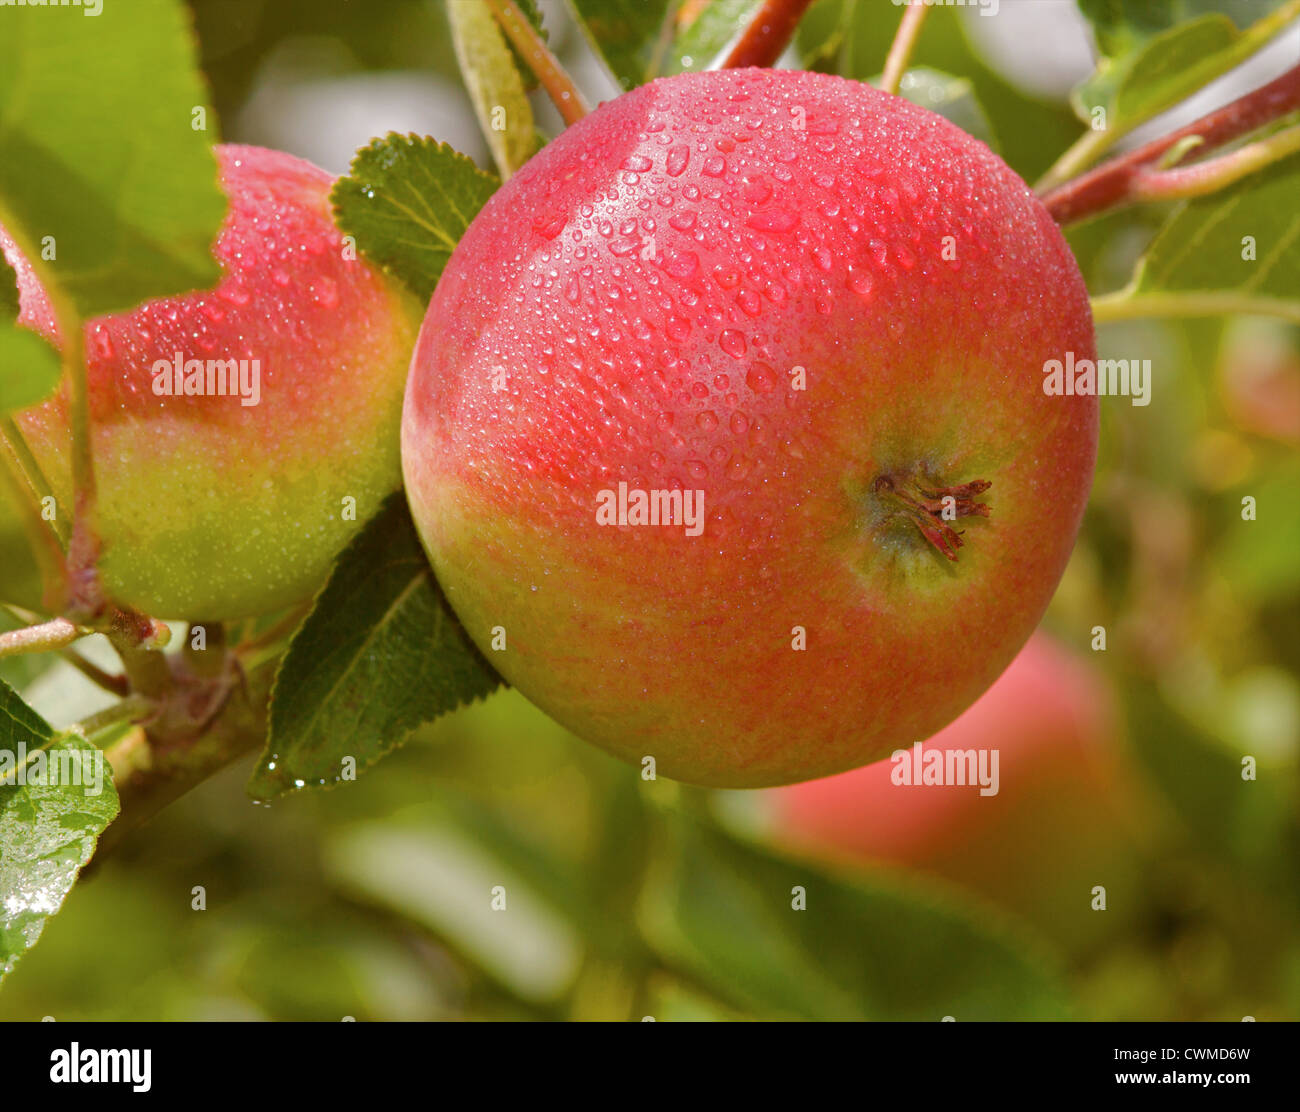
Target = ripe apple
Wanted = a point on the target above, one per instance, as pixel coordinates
(1064, 817)
(1260, 379)
(224, 505)
(818, 310)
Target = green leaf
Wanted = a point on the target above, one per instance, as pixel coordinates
(1199, 250)
(407, 201)
(448, 880)
(494, 83)
(380, 653)
(29, 368)
(708, 34)
(102, 162)
(9, 304)
(56, 798)
(1152, 60)
(1243, 821)
(874, 948)
(625, 33)
(1258, 558)
(1156, 74)
(1120, 24)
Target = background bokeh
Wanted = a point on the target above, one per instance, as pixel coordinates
(371, 900)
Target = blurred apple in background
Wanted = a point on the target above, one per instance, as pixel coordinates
(1260, 378)
(1063, 819)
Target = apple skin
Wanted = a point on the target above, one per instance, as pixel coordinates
(1066, 815)
(798, 220)
(209, 509)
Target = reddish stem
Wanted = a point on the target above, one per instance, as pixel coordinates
(552, 76)
(900, 53)
(1119, 181)
(768, 34)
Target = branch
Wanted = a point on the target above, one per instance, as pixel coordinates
(554, 78)
(1120, 181)
(1091, 145)
(38, 638)
(137, 640)
(45, 541)
(151, 772)
(86, 597)
(767, 35)
(117, 685)
(900, 53)
(1126, 304)
(1216, 173)
(134, 708)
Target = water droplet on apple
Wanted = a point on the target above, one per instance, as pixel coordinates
(683, 264)
(860, 282)
(732, 342)
(760, 378)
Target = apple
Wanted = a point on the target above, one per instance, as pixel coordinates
(727, 433)
(231, 496)
(1063, 819)
(1260, 379)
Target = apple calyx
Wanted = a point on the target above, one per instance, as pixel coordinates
(930, 508)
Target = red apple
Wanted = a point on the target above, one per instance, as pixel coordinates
(1062, 819)
(819, 310)
(218, 506)
(1260, 380)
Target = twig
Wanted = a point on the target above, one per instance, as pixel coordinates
(554, 78)
(46, 544)
(1216, 173)
(117, 685)
(1114, 183)
(19, 454)
(86, 595)
(53, 634)
(148, 777)
(134, 708)
(663, 39)
(900, 53)
(767, 35)
(145, 666)
(1091, 145)
(1127, 304)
